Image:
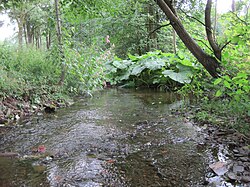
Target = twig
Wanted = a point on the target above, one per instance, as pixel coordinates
(204, 44)
(193, 17)
(225, 45)
(158, 28)
(239, 18)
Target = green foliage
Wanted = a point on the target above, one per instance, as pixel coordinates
(151, 69)
(226, 100)
(23, 71)
(85, 68)
(236, 90)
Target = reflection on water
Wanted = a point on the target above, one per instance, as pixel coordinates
(117, 138)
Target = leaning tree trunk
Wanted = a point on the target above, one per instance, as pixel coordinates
(210, 63)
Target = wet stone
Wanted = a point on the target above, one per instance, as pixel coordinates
(238, 168)
(244, 159)
(236, 151)
(232, 176)
(245, 179)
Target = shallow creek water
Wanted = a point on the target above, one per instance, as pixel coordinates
(118, 138)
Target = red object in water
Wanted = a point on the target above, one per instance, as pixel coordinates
(110, 161)
(41, 149)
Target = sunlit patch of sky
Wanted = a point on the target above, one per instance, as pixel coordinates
(8, 29)
(224, 6)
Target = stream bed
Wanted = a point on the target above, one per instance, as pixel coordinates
(118, 138)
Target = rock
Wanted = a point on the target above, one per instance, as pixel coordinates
(34, 107)
(245, 179)
(17, 117)
(50, 109)
(8, 113)
(236, 151)
(220, 168)
(3, 120)
(232, 176)
(239, 155)
(238, 169)
(244, 159)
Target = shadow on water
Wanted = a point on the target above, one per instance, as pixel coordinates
(117, 138)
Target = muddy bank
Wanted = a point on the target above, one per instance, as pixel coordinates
(13, 109)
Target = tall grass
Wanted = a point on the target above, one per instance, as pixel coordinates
(35, 72)
(24, 71)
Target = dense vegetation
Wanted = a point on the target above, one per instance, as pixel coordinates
(71, 47)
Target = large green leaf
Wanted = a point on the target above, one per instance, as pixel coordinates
(186, 62)
(137, 70)
(119, 64)
(154, 63)
(111, 68)
(183, 67)
(134, 58)
(181, 77)
(123, 77)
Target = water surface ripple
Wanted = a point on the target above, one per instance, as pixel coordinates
(118, 138)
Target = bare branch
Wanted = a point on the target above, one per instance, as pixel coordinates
(204, 44)
(239, 18)
(158, 28)
(228, 42)
(193, 18)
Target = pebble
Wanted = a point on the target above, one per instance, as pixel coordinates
(232, 176)
(238, 169)
(245, 179)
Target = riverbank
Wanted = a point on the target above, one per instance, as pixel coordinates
(14, 109)
(230, 145)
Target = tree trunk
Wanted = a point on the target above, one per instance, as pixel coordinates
(59, 39)
(174, 35)
(174, 42)
(20, 32)
(210, 63)
(152, 22)
(30, 32)
(233, 6)
(210, 36)
(48, 40)
(25, 34)
(215, 19)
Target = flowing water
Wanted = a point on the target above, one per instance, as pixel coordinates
(117, 138)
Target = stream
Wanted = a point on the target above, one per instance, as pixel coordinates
(118, 138)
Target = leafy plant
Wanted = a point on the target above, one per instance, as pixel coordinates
(151, 69)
